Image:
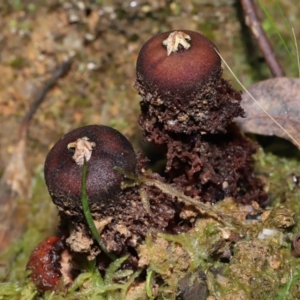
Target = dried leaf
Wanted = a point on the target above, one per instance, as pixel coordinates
(280, 97)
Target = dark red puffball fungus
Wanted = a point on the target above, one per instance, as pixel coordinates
(104, 148)
(188, 107)
(44, 264)
(121, 213)
(191, 60)
(179, 79)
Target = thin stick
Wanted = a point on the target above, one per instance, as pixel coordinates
(297, 50)
(209, 210)
(264, 44)
(14, 180)
(275, 27)
(244, 88)
(61, 71)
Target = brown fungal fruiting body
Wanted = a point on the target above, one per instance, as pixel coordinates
(188, 107)
(177, 61)
(182, 90)
(103, 148)
(122, 217)
(48, 272)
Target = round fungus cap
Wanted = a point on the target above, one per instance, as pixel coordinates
(177, 62)
(103, 148)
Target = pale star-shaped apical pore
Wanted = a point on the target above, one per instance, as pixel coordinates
(83, 149)
(174, 39)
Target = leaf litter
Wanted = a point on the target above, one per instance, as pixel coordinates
(280, 97)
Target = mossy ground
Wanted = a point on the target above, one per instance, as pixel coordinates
(264, 265)
(99, 89)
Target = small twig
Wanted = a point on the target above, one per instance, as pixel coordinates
(264, 44)
(203, 208)
(14, 181)
(59, 72)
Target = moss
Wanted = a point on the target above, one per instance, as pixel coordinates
(17, 62)
(170, 257)
(280, 174)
